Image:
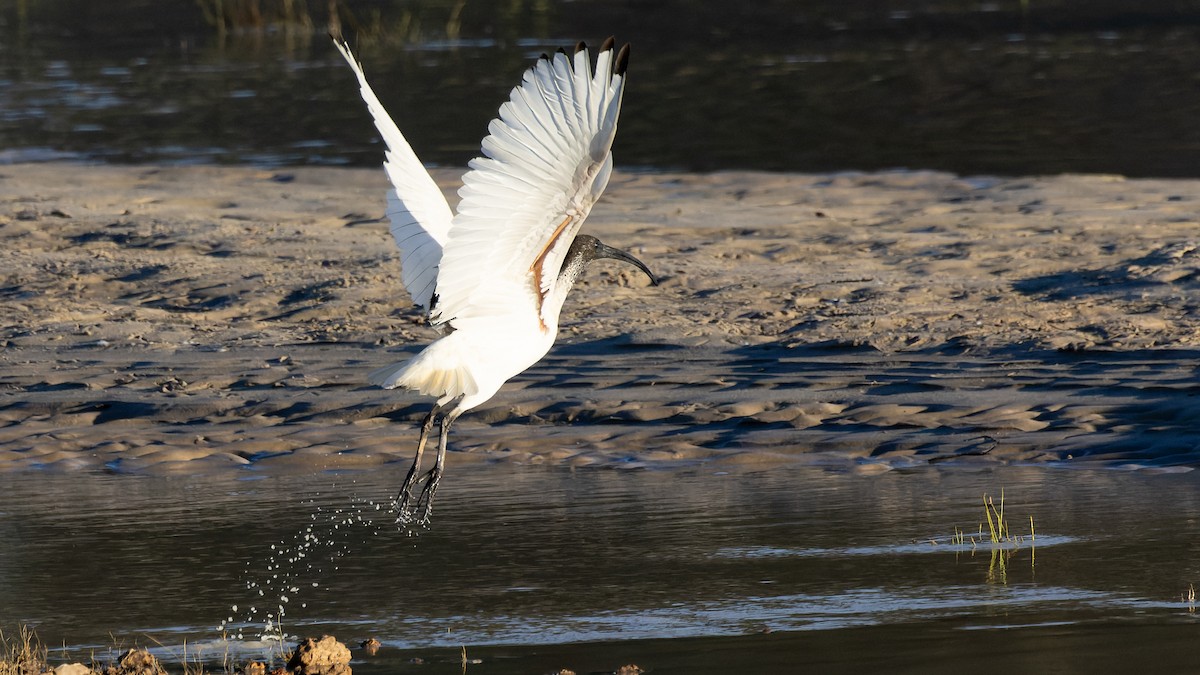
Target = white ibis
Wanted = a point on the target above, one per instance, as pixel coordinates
(495, 275)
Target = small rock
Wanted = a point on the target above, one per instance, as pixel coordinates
(73, 669)
(326, 656)
(371, 646)
(136, 662)
(630, 669)
(255, 668)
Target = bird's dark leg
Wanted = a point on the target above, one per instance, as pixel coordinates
(404, 512)
(425, 503)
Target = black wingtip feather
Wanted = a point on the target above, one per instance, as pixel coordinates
(622, 60)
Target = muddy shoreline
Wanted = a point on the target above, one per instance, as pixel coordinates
(166, 319)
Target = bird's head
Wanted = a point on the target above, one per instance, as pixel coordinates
(586, 248)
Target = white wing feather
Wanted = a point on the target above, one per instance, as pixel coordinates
(546, 162)
(420, 217)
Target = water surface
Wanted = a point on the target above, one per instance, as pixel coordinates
(971, 87)
(535, 568)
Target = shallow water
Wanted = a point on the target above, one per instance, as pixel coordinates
(535, 568)
(969, 87)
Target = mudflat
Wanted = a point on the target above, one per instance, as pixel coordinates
(161, 319)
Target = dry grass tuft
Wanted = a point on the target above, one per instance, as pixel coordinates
(22, 654)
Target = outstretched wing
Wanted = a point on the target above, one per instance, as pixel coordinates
(416, 206)
(546, 162)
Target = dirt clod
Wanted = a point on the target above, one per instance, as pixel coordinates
(325, 656)
(136, 662)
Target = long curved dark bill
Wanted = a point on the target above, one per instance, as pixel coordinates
(606, 251)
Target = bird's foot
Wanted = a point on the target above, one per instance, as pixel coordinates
(424, 507)
(414, 515)
(417, 510)
(405, 512)
(405, 508)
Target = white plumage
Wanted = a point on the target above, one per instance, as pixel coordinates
(497, 273)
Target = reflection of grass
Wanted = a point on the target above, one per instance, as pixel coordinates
(295, 18)
(256, 14)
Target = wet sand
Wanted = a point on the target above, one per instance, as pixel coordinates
(186, 319)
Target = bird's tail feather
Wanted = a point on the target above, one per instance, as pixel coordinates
(387, 376)
(424, 376)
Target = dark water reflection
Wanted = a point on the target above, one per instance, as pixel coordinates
(967, 86)
(538, 568)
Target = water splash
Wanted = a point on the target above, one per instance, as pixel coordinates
(295, 568)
